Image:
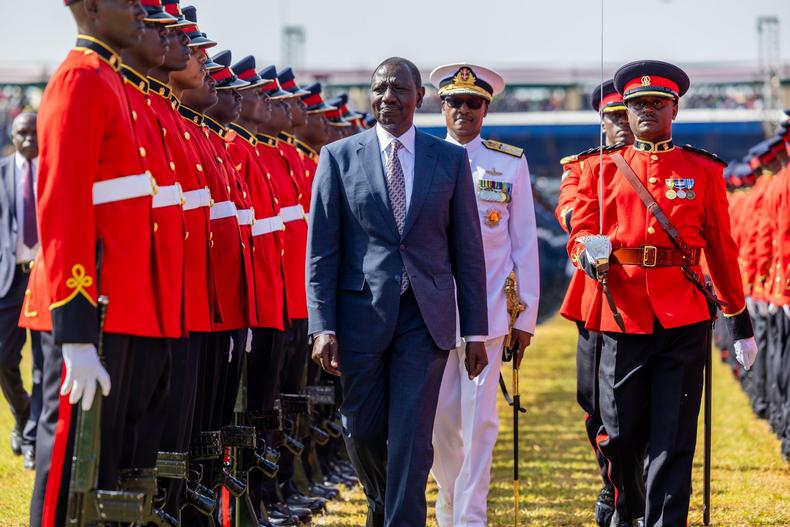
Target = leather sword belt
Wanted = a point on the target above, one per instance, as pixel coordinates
(122, 188)
(168, 196)
(245, 216)
(293, 213)
(651, 256)
(197, 198)
(222, 210)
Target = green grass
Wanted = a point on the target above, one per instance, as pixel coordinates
(751, 483)
(16, 484)
(559, 482)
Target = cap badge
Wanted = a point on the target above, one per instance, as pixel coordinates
(464, 77)
(646, 80)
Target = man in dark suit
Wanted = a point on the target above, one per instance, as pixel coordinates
(18, 247)
(393, 235)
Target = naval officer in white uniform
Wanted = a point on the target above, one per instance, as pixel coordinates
(466, 423)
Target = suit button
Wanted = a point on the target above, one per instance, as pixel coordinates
(654, 157)
(653, 180)
(651, 230)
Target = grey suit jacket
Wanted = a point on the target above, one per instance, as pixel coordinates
(355, 254)
(8, 228)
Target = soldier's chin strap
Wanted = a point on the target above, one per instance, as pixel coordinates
(508, 355)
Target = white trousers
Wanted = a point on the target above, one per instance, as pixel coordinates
(464, 435)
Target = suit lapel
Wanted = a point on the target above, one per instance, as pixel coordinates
(424, 164)
(370, 160)
(7, 173)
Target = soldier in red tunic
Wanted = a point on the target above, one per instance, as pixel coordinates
(614, 124)
(655, 313)
(97, 231)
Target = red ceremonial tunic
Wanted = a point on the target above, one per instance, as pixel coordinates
(294, 236)
(310, 162)
(86, 136)
(169, 227)
(239, 194)
(267, 246)
(581, 288)
(225, 238)
(202, 309)
(664, 293)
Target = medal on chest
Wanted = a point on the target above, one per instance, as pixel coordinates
(492, 190)
(680, 188)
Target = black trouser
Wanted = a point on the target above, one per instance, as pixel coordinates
(12, 340)
(588, 358)
(52, 370)
(264, 366)
(651, 388)
(293, 377)
(139, 369)
(36, 401)
(754, 379)
(775, 390)
(179, 413)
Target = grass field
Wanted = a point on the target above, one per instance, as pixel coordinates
(751, 483)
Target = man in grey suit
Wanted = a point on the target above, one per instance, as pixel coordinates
(18, 247)
(393, 235)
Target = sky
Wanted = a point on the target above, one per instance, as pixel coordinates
(360, 33)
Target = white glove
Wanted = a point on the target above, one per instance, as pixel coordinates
(772, 309)
(230, 351)
(746, 352)
(786, 309)
(248, 346)
(83, 371)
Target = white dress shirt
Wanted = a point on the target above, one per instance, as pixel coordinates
(24, 253)
(405, 155)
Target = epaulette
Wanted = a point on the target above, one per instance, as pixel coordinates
(704, 153)
(504, 148)
(590, 152)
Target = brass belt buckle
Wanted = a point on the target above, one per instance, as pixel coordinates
(649, 256)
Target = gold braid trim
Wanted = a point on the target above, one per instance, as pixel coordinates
(78, 282)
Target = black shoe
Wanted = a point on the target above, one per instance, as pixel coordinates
(626, 523)
(283, 511)
(604, 507)
(640, 522)
(30, 459)
(323, 491)
(298, 499)
(16, 441)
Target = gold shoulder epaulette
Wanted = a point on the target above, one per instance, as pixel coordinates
(569, 159)
(504, 148)
(704, 153)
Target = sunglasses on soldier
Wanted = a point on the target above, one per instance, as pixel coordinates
(455, 102)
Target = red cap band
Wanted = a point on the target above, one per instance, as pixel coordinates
(247, 75)
(312, 100)
(151, 3)
(289, 85)
(221, 75)
(644, 83)
(609, 99)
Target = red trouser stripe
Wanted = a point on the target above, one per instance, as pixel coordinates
(58, 461)
(598, 440)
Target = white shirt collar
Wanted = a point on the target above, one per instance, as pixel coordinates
(20, 161)
(385, 138)
(471, 146)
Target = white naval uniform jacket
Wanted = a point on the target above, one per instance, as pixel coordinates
(511, 243)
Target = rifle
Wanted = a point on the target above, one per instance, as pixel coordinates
(86, 503)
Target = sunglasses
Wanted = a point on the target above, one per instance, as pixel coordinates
(473, 103)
